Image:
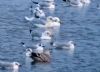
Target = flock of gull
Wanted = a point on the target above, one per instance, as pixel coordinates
(77, 2)
(39, 52)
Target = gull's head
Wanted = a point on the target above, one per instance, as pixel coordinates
(49, 18)
(23, 44)
(40, 48)
(47, 33)
(56, 19)
(28, 52)
(70, 42)
(71, 45)
(16, 65)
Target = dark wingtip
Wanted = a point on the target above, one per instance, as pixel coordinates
(35, 2)
(64, 0)
(30, 30)
(51, 43)
(22, 43)
(31, 6)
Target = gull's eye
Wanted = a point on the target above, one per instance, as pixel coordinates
(55, 20)
(47, 32)
(39, 44)
(50, 18)
(43, 46)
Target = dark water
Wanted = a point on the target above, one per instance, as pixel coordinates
(81, 25)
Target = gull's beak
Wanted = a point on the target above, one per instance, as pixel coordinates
(60, 22)
(51, 35)
(20, 65)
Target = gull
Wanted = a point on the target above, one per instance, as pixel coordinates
(39, 54)
(37, 13)
(59, 45)
(50, 22)
(46, 35)
(9, 65)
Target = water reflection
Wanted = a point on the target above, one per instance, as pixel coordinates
(28, 62)
(54, 31)
(51, 11)
(15, 70)
(46, 43)
(71, 52)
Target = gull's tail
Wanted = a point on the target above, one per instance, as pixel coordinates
(29, 18)
(39, 25)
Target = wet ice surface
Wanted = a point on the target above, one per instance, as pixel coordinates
(78, 24)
